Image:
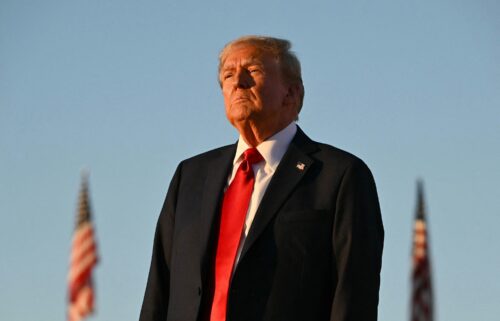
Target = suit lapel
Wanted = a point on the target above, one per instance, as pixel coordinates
(292, 168)
(217, 173)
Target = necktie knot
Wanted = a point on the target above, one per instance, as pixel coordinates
(252, 156)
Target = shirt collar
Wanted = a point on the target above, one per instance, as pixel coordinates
(272, 149)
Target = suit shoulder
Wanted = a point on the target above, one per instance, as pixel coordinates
(340, 161)
(339, 155)
(209, 155)
(347, 169)
(324, 153)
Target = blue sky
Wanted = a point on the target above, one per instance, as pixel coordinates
(128, 89)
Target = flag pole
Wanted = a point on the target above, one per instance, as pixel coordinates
(422, 300)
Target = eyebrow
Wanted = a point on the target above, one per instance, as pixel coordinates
(252, 61)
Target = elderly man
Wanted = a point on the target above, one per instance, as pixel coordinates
(276, 227)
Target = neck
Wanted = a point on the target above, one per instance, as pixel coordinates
(254, 135)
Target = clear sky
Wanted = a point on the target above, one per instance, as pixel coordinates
(128, 89)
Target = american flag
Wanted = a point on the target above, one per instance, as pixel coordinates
(82, 261)
(422, 304)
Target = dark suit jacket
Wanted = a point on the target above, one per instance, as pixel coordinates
(313, 252)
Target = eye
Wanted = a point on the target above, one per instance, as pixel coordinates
(254, 70)
(227, 75)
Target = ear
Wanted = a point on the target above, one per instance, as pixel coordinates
(292, 96)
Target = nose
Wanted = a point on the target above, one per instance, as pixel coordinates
(243, 78)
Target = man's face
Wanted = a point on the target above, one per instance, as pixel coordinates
(254, 90)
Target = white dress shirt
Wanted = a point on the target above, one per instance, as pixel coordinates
(272, 150)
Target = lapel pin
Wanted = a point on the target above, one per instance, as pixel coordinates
(300, 166)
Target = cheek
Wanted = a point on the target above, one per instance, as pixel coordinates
(226, 94)
(273, 97)
(264, 94)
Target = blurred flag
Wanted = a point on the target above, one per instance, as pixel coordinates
(82, 261)
(422, 304)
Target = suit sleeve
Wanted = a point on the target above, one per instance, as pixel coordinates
(358, 237)
(155, 303)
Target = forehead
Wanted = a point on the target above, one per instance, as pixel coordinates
(245, 54)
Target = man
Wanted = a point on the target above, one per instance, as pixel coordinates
(276, 227)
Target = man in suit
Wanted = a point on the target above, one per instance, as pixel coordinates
(276, 227)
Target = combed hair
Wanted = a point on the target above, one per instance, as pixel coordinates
(280, 49)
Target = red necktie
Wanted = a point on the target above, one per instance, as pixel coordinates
(234, 211)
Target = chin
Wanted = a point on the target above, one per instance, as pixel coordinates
(238, 113)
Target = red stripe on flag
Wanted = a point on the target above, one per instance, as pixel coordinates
(83, 259)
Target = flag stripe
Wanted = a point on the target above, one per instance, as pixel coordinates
(422, 299)
(81, 251)
(83, 259)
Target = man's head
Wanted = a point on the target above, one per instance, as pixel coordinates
(261, 82)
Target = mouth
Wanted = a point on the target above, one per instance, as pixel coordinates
(238, 99)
